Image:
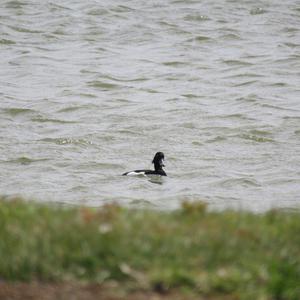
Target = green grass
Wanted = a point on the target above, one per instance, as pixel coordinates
(239, 255)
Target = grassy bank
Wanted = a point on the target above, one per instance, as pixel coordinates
(230, 254)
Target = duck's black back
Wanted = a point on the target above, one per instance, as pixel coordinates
(160, 172)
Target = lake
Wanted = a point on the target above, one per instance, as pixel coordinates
(92, 89)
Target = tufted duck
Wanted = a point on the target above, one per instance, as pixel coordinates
(158, 164)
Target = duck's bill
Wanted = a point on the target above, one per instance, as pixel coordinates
(162, 163)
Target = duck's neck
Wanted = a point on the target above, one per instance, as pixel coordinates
(157, 167)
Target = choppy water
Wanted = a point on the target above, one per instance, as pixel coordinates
(91, 89)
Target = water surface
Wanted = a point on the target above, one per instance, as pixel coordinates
(91, 89)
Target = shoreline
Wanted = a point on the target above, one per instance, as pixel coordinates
(132, 253)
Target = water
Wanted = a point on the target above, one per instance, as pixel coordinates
(91, 89)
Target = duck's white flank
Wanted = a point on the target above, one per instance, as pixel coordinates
(136, 173)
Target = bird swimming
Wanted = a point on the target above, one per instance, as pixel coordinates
(158, 162)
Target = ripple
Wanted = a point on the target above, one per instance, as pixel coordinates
(67, 141)
(174, 64)
(188, 125)
(15, 4)
(23, 160)
(25, 30)
(278, 84)
(126, 79)
(257, 11)
(197, 143)
(70, 109)
(260, 132)
(231, 36)
(151, 91)
(243, 75)
(236, 62)
(98, 12)
(128, 132)
(231, 116)
(14, 111)
(277, 107)
(88, 95)
(296, 118)
(256, 138)
(49, 120)
(250, 82)
(57, 7)
(291, 45)
(122, 9)
(199, 38)
(196, 18)
(297, 132)
(239, 182)
(103, 85)
(190, 95)
(6, 42)
(216, 139)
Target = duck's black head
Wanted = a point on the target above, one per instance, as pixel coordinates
(158, 160)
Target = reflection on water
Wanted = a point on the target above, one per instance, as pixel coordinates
(156, 179)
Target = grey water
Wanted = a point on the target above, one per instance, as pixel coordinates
(92, 89)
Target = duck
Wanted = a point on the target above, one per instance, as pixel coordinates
(158, 161)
